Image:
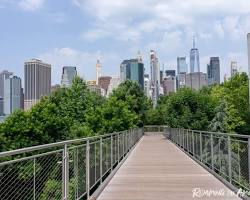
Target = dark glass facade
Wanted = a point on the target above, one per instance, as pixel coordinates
(132, 70)
(213, 71)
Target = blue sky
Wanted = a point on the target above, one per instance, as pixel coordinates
(78, 32)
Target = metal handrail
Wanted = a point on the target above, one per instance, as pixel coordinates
(51, 145)
(219, 133)
(225, 155)
(72, 170)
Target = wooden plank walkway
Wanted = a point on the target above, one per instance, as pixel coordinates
(158, 170)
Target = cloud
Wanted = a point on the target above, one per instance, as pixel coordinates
(161, 15)
(167, 26)
(84, 61)
(95, 34)
(170, 42)
(31, 5)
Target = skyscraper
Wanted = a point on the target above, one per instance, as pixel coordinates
(182, 70)
(234, 68)
(182, 65)
(37, 75)
(147, 85)
(155, 77)
(213, 71)
(68, 75)
(104, 82)
(170, 72)
(161, 76)
(92, 86)
(196, 80)
(3, 75)
(132, 69)
(169, 85)
(1, 106)
(98, 71)
(114, 83)
(13, 95)
(248, 47)
(194, 59)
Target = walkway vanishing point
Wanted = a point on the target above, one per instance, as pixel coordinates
(158, 170)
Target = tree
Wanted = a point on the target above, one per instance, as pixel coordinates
(60, 116)
(184, 109)
(235, 93)
(131, 93)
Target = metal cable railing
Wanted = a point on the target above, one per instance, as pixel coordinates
(155, 129)
(227, 155)
(65, 170)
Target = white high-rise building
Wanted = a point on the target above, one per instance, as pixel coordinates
(147, 86)
(68, 75)
(114, 83)
(155, 77)
(234, 68)
(98, 71)
(182, 67)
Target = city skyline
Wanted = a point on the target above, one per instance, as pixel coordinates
(80, 32)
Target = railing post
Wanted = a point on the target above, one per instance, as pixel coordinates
(179, 137)
(118, 139)
(219, 154)
(193, 142)
(238, 153)
(123, 144)
(229, 159)
(248, 146)
(101, 160)
(111, 149)
(200, 146)
(65, 170)
(95, 161)
(34, 178)
(87, 170)
(76, 168)
(212, 151)
(183, 139)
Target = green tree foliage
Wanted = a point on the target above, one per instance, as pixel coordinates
(220, 108)
(189, 109)
(51, 120)
(234, 93)
(219, 122)
(74, 112)
(131, 93)
(185, 109)
(124, 109)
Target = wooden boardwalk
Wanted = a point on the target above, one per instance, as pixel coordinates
(158, 170)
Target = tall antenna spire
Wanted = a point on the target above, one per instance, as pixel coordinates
(194, 41)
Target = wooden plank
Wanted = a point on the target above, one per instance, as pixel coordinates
(158, 170)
